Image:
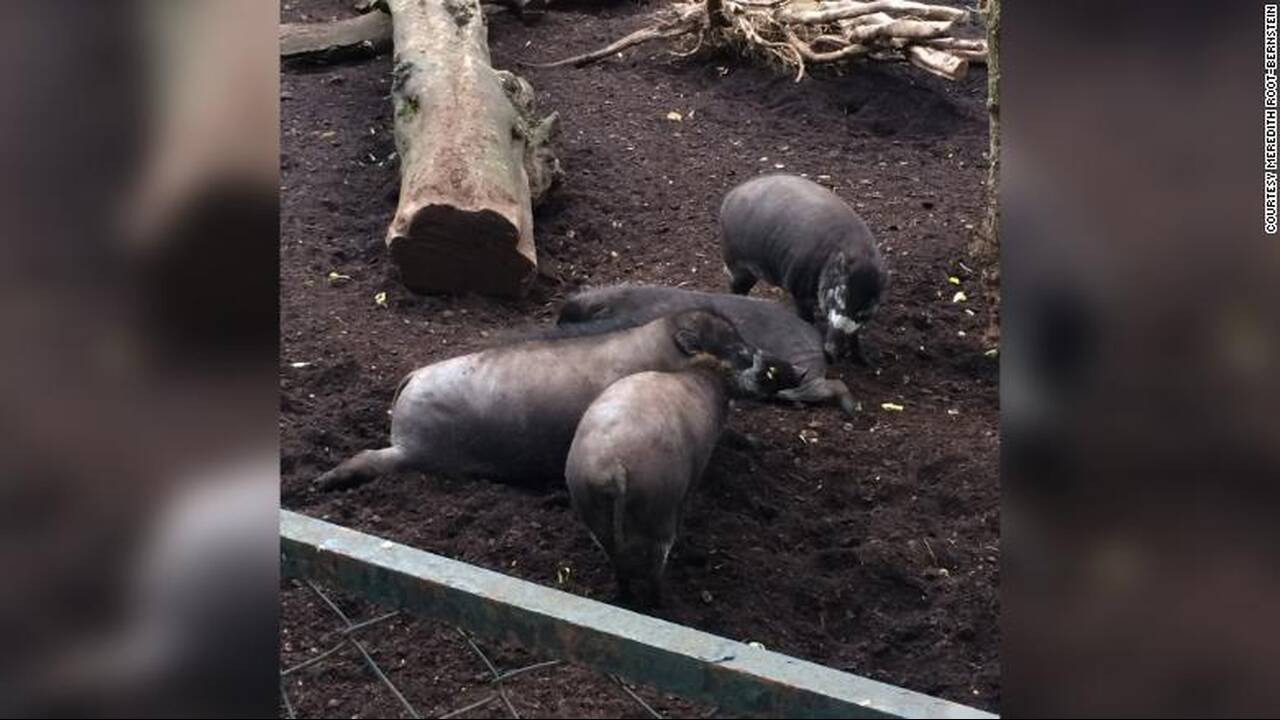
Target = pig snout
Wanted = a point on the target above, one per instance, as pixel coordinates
(766, 375)
(848, 300)
(835, 342)
(746, 368)
(839, 343)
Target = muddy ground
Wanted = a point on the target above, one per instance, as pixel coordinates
(867, 544)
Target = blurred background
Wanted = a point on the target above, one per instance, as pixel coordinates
(1141, 443)
(138, 463)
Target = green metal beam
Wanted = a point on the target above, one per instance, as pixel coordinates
(673, 658)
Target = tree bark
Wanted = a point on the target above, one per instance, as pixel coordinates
(993, 110)
(986, 248)
(474, 158)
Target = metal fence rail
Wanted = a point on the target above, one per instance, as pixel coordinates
(692, 664)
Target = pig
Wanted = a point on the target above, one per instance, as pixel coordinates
(763, 324)
(509, 413)
(797, 235)
(638, 451)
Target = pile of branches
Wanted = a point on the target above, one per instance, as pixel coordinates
(798, 33)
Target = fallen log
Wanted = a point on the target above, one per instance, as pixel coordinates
(362, 35)
(474, 156)
(369, 34)
(516, 6)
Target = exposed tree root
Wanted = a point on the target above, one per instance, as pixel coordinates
(684, 23)
(799, 32)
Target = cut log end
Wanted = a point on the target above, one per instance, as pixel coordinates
(447, 250)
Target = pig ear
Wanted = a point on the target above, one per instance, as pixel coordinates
(687, 335)
(687, 341)
(571, 312)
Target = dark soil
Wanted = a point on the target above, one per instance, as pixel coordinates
(869, 545)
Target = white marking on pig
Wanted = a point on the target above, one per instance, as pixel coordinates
(842, 323)
(666, 550)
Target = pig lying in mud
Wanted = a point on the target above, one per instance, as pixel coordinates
(639, 450)
(801, 237)
(509, 413)
(763, 324)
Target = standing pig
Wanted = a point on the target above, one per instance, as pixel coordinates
(509, 413)
(798, 235)
(639, 449)
(764, 324)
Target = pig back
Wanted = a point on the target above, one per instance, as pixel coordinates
(785, 227)
(660, 426)
(509, 413)
(764, 324)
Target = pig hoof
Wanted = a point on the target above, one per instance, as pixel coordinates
(849, 407)
(332, 480)
(624, 597)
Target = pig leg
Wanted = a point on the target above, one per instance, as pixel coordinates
(624, 589)
(823, 392)
(741, 280)
(654, 598)
(740, 440)
(858, 353)
(362, 468)
(658, 563)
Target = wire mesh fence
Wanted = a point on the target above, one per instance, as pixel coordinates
(344, 657)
